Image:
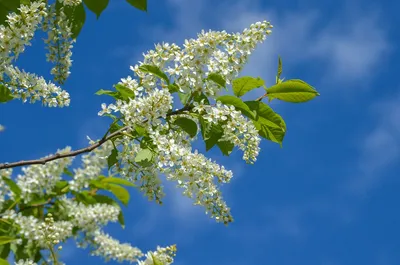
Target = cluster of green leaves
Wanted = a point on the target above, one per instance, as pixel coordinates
(39, 205)
(269, 124)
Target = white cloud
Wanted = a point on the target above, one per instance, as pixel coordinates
(380, 148)
(350, 45)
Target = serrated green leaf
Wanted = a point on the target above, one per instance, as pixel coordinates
(188, 125)
(118, 181)
(112, 158)
(6, 239)
(244, 84)
(238, 104)
(269, 124)
(217, 78)
(147, 68)
(211, 133)
(5, 94)
(144, 157)
(126, 93)
(139, 4)
(4, 262)
(114, 94)
(226, 147)
(13, 186)
(96, 6)
(293, 90)
(119, 192)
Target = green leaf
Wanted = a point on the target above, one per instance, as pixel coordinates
(269, 124)
(198, 97)
(119, 181)
(121, 219)
(114, 94)
(172, 88)
(76, 17)
(68, 173)
(5, 94)
(211, 133)
(141, 131)
(13, 186)
(188, 125)
(120, 193)
(226, 147)
(139, 4)
(217, 78)
(293, 90)
(244, 84)
(144, 157)
(112, 158)
(4, 251)
(126, 93)
(147, 68)
(279, 69)
(4, 262)
(7, 6)
(96, 6)
(184, 97)
(238, 104)
(6, 239)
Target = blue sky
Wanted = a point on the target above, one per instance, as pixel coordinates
(328, 197)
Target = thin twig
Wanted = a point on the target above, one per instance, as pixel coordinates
(90, 148)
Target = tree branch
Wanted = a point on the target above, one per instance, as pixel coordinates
(88, 149)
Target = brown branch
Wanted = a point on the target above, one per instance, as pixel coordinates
(90, 148)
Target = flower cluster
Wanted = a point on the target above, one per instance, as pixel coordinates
(92, 165)
(35, 230)
(89, 217)
(70, 2)
(236, 128)
(163, 255)
(110, 248)
(188, 68)
(41, 179)
(17, 34)
(59, 43)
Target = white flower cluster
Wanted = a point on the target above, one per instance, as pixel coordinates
(25, 262)
(236, 128)
(41, 179)
(188, 67)
(4, 189)
(59, 43)
(31, 228)
(92, 165)
(70, 2)
(163, 255)
(194, 173)
(17, 34)
(90, 217)
(110, 248)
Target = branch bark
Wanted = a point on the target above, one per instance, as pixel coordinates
(88, 149)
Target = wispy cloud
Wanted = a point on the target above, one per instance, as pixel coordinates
(380, 148)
